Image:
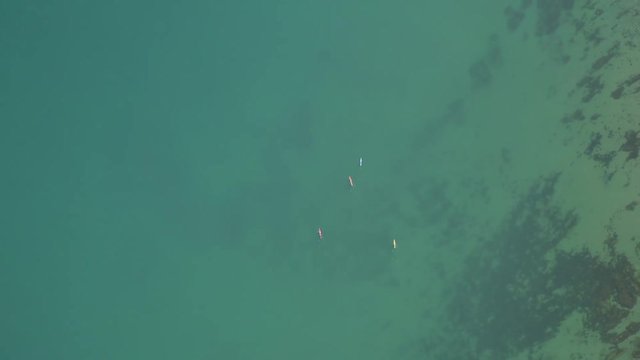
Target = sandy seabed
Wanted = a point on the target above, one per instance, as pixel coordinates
(552, 120)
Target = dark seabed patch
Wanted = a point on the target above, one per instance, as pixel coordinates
(499, 301)
(550, 15)
(514, 18)
(515, 295)
(480, 74)
(515, 15)
(576, 116)
(631, 145)
(596, 140)
(604, 59)
(454, 114)
(621, 90)
(591, 85)
(481, 71)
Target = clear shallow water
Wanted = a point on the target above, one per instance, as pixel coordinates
(167, 166)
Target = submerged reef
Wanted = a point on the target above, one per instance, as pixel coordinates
(518, 288)
(517, 292)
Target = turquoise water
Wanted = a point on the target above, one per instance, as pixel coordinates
(166, 167)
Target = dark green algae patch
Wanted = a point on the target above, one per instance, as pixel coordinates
(516, 293)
